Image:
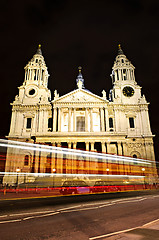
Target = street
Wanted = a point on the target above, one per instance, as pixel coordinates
(97, 219)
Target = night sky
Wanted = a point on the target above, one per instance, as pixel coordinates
(79, 33)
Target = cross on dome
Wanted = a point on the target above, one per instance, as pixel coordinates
(120, 51)
(39, 50)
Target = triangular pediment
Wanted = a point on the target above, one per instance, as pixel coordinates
(79, 95)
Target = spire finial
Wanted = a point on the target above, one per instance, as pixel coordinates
(79, 69)
(39, 50)
(120, 51)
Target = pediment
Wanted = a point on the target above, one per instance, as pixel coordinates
(79, 95)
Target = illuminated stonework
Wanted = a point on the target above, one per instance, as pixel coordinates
(118, 124)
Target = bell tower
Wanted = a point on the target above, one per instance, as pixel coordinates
(32, 106)
(130, 109)
(123, 70)
(125, 88)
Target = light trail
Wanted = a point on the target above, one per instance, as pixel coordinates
(72, 174)
(75, 152)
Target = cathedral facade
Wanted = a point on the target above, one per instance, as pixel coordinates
(117, 124)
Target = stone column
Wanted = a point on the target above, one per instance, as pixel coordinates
(69, 144)
(108, 147)
(86, 163)
(120, 152)
(106, 120)
(109, 166)
(87, 146)
(115, 72)
(102, 119)
(36, 162)
(103, 147)
(74, 145)
(92, 146)
(45, 114)
(59, 119)
(13, 122)
(69, 119)
(91, 120)
(55, 120)
(68, 160)
(86, 120)
(53, 160)
(74, 120)
(103, 166)
(125, 149)
(74, 165)
(93, 164)
(59, 160)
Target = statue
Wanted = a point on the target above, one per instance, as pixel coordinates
(104, 94)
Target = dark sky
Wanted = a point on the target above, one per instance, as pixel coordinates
(79, 33)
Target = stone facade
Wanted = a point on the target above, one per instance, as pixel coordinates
(117, 124)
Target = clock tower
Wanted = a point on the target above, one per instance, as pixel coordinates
(130, 109)
(125, 88)
(31, 109)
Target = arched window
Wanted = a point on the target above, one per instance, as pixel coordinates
(26, 160)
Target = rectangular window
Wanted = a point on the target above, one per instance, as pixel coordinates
(131, 122)
(80, 124)
(110, 122)
(50, 123)
(28, 125)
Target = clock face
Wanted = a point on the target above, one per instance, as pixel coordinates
(128, 91)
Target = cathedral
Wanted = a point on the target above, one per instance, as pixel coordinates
(114, 123)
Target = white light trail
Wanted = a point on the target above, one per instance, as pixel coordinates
(70, 174)
(79, 153)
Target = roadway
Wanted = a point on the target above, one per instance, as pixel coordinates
(105, 217)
